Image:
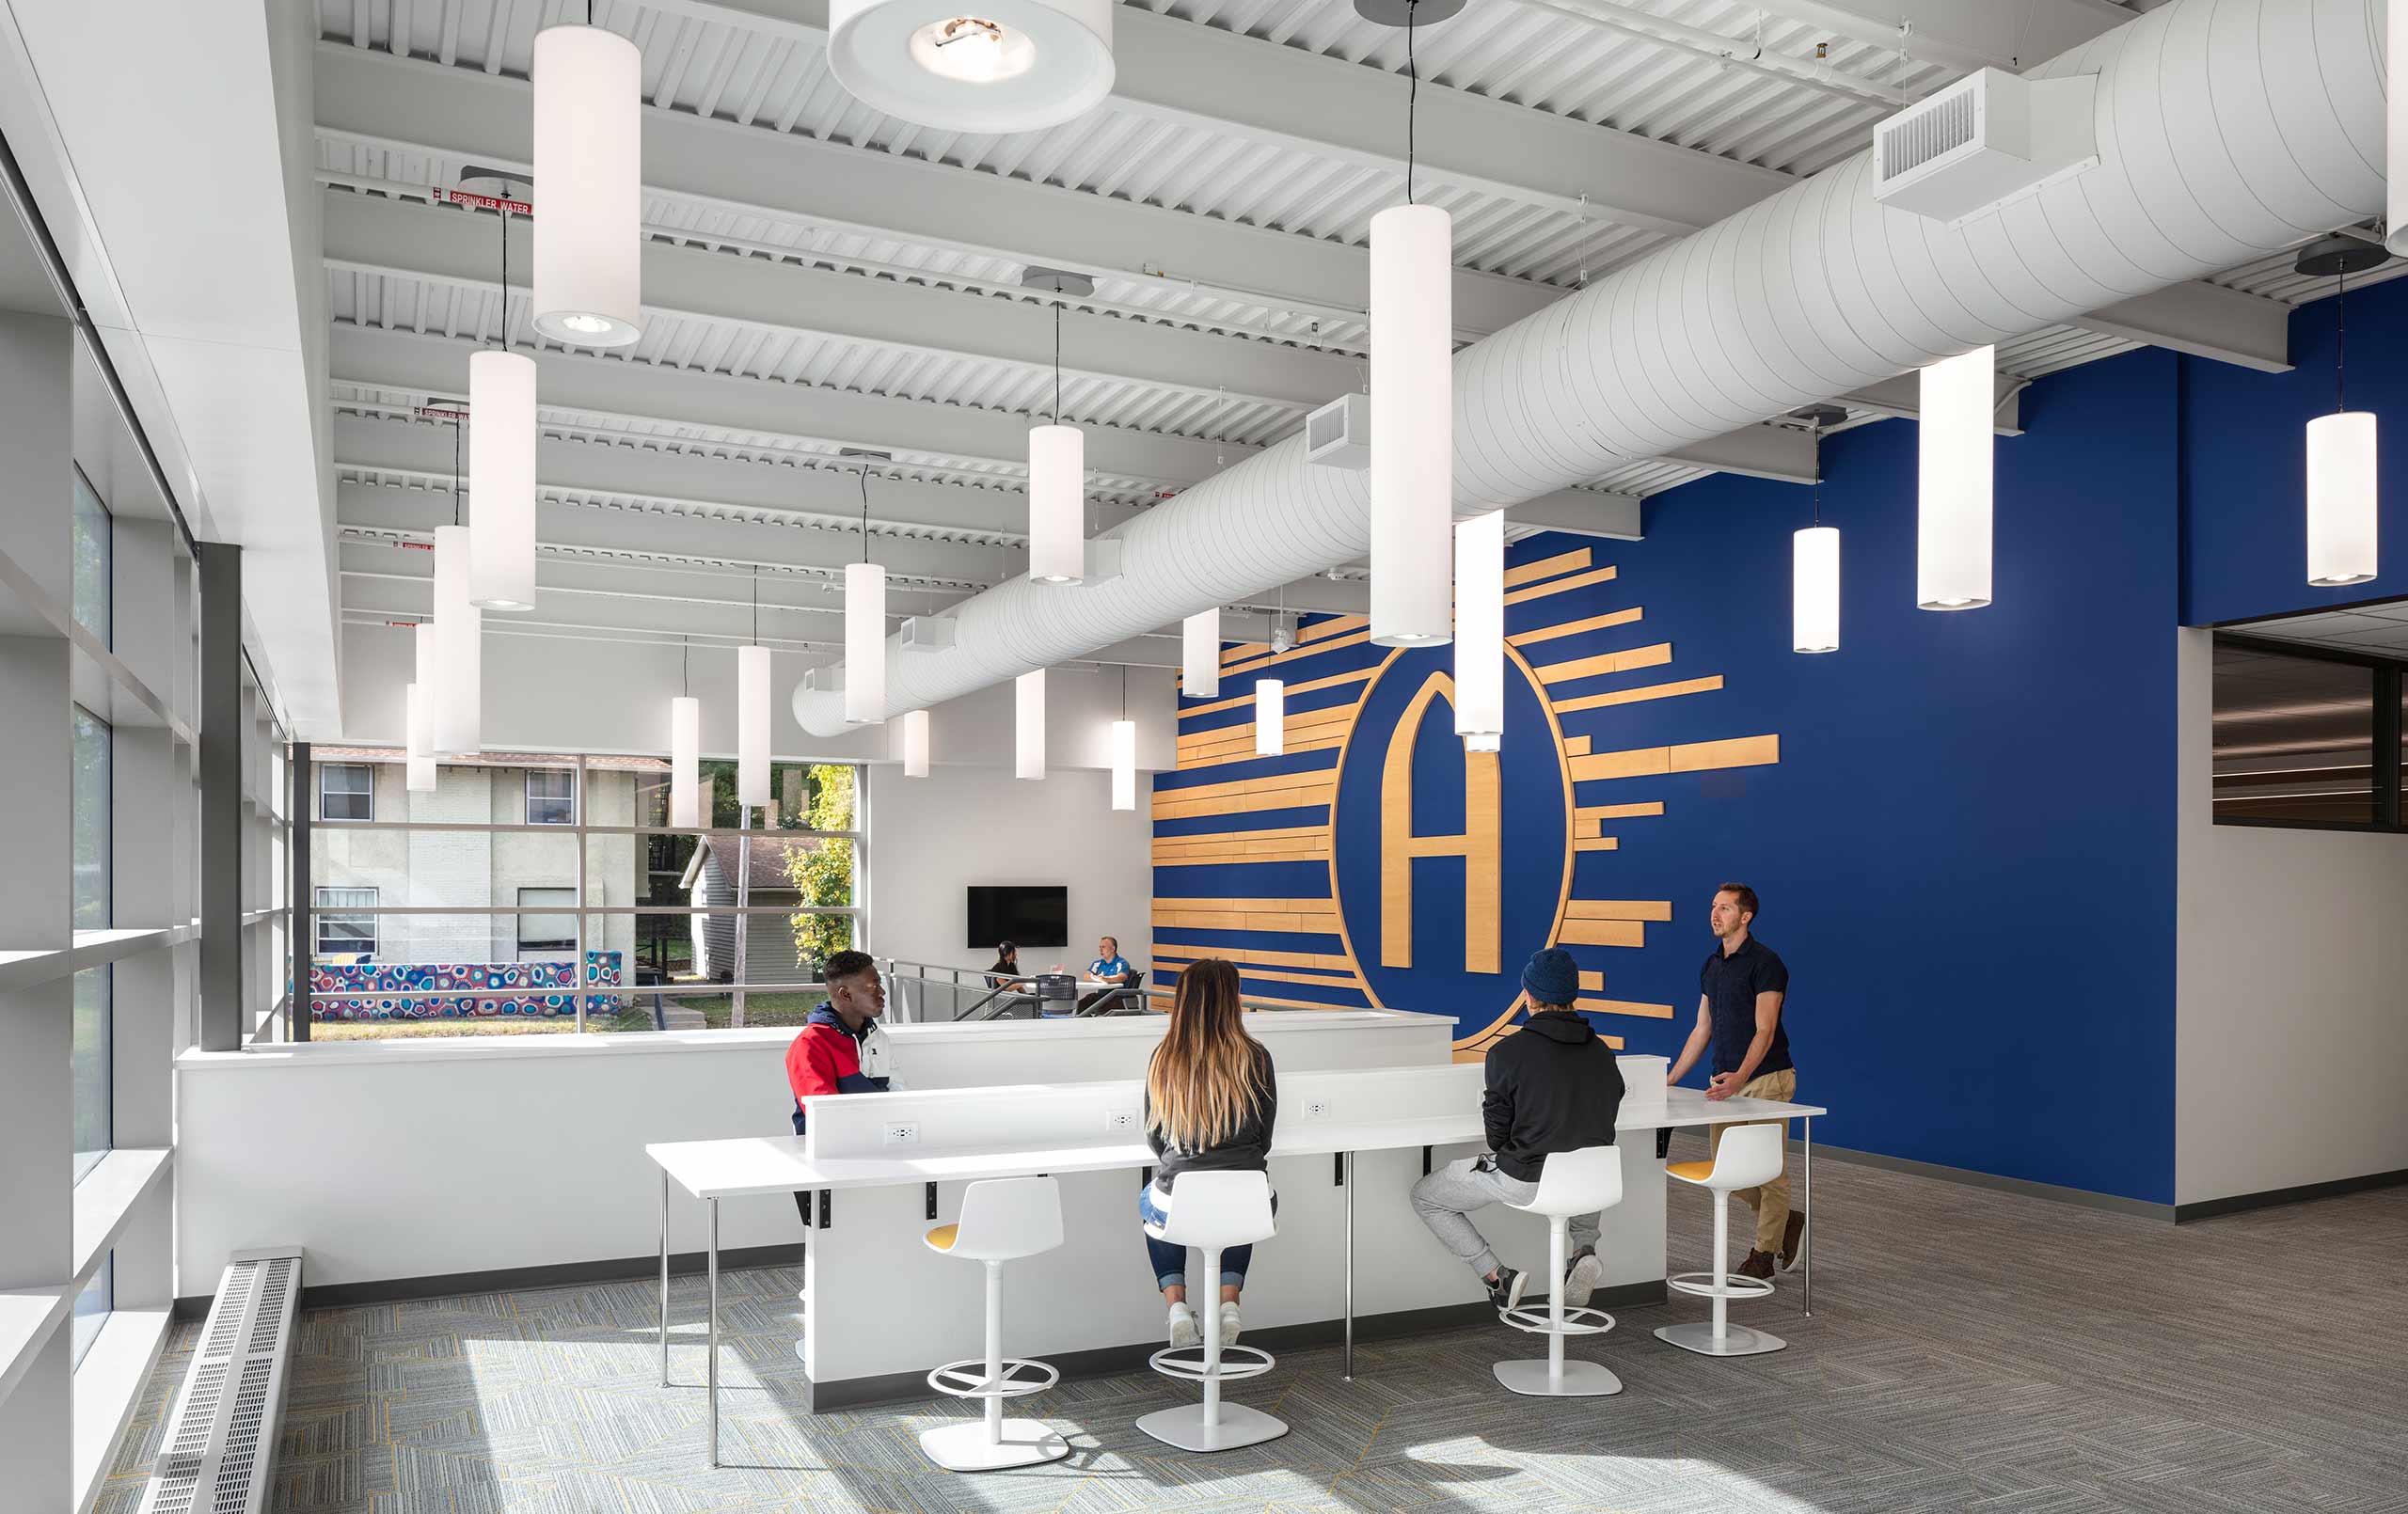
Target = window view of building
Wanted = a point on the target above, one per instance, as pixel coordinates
(346, 791)
(93, 556)
(89, 1060)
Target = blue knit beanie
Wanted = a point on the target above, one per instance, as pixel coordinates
(1552, 977)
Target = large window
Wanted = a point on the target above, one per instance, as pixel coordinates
(346, 922)
(89, 1059)
(92, 560)
(568, 867)
(346, 791)
(2305, 737)
(93, 1303)
(552, 797)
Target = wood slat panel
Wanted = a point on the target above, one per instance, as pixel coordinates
(1594, 622)
(1354, 638)
(1562, 562)
(1607, 662)
(1620, 812)
(1335, 625)
(1358, 676)
(1625, 1006)
(1597, 844)
(1189, 764)
(1320, 778)
(1633, 696)
(1575, 746)
(1241, 652)
(1578, 581)
(1692, 757)
(1240, 803)
(1657, 910)
(1601, 933)
(1301, 905)
(1331, 715)
(1333, 961)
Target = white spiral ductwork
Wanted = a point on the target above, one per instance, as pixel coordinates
(2227, 129)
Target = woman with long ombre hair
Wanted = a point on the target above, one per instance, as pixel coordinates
(1210, 1100)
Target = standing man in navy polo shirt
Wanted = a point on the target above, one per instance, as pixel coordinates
(1741, 989)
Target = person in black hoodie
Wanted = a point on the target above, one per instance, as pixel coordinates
(1553, 1087)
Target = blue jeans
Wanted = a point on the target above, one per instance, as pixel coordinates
(1170, 1262)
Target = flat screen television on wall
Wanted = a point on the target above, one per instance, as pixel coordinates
(1026, 914)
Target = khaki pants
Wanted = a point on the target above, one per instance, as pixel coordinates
(1770, 1202)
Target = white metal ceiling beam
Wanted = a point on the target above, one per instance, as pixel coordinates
(430, 242)
(461, 113)
(1963, 34)
(1781, 453)
(2205, 321)
(1166, 68)
(1902, 397)
(1581, 513)
(409, 361)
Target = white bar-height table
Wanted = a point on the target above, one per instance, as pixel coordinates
(715, 1169)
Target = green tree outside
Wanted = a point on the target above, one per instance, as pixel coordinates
(822, 869)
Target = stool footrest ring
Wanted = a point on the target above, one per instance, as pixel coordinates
(1186, 1363)
(1732, 1285)
(1577, 1320)
(969, 1379)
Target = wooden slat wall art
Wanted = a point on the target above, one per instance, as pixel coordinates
(1594, 622)
(1361, 675)
(1693, 757)
(1634, 696)
(1264, 657)
(1605, 662)
(1578, 581)
(1480, 843)
(1575, 561)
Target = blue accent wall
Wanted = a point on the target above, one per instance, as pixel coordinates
(2245, 464)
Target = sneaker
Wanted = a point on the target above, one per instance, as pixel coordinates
(1757, 1265)
(1582, 1280)
(1230, 1325)
(1506, 1292)
(1790, 1236)
(1183, 1327)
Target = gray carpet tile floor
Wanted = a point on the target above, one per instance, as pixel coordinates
(1969, 1351)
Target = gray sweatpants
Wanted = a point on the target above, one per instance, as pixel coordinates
(1446, 1198)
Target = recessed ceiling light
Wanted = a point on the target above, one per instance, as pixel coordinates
(1006, 66)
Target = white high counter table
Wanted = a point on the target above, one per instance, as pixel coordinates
(894, 1309)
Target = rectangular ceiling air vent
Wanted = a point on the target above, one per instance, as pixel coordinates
(928, 633)
(218, 1451)
(1987, 140)
(1338, 435)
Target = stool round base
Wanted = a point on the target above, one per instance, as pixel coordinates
(1738, 1340)
(1184, 1427)
(965, 1448)
(1581, 1380)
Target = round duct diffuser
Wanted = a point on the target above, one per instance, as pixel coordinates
(991, 67)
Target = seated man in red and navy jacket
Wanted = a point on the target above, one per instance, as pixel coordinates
(835, 1053)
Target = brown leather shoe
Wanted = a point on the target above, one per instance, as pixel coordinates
(1790, 1236)
(1758, 1266)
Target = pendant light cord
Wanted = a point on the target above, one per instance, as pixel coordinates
(1057, 361)
(1412, 96)
(1819, 473)
(865, 513)
(2340, 336)
(1124, 691)
(756, 604)
(501, 325)
(455, 473)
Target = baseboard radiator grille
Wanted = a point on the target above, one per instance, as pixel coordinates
(219, 1450)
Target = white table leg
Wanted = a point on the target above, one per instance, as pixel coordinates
(664, 1277)
(714, 1367)
(1347, 1374)
(1814, 1210)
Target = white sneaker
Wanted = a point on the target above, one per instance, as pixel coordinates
(1582, 1280)
(1183, 1327)
(1229, 1326)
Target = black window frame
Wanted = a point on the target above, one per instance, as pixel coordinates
(527, 790)
(368, 793)
(2387, 757)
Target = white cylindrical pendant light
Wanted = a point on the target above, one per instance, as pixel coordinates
(459, 629)
(1057, 505)
(1413, 424)
(2341, 535)
(684, 763)
(1270, 717)
(864, 643)
(418, 761)
(1815, 590)
(1124, 764)
(1480, 631)
(1953, 481)
(501, 481)
(1199, 674)
(1028, 725)
(915, 744)
(589, 187)
(753, 725)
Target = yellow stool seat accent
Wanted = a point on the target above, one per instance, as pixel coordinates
(941, 1236)
(1693, 1172)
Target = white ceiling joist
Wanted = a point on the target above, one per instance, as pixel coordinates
(2205, 321)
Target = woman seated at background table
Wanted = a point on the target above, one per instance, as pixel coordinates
(1006, 972)
(1211, 1102)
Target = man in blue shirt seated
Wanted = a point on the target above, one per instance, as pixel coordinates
(1108, 966)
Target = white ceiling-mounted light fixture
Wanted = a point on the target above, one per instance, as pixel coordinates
(1270, 717)
(686, 749)
(1028, 724)
(1815, 556)
(502, 454)
(864, 617)
(753, 713)
(1199, 670)
(458, 716)
(2342, 528)
(589, 159)
(915, 744)
(1480, 631)
(1057, 477)
(1124, 753)
(1413, 405)
(993, 67)
(417, 711)
(1953, 466)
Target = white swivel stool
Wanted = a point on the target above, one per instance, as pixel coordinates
(1212, 1211)
(1002, 1219)
(1749, 1156)
(1574, 1182)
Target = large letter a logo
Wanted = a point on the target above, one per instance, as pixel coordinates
(1476, 844)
